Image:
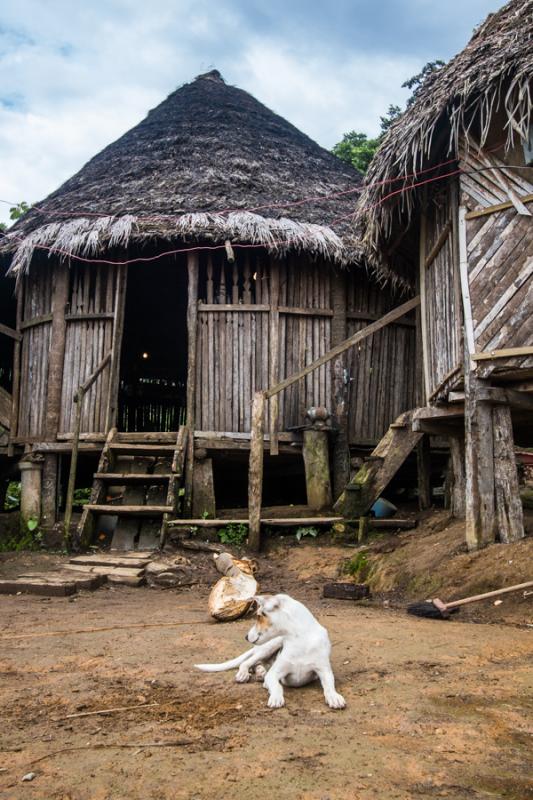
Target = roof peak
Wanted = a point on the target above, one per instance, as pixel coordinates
(212, 75)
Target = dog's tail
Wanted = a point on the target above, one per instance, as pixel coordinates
(235, 662)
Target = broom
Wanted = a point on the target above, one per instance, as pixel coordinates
(436, 609)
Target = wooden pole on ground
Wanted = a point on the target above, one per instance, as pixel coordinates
(255, 477)
(423, 461)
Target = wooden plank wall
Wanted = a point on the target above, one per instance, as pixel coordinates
(35, 350)
(234, 341)
(382, 367)
(443, 313)
(90, 318)
(500, 258)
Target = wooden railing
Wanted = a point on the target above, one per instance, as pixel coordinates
(78, 401)
(255, 473)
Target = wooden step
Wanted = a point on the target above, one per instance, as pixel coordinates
(379, 468)
(132, 477)
(109, 561)
(128, 572)
(139, 511)
(128, 449)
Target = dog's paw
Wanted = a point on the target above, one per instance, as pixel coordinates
(336, 700)
(276, 701)
(260, 672)
(242, 676)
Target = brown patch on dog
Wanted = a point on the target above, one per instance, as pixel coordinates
(263, 622)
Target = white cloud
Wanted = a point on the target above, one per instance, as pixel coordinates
(75, 76)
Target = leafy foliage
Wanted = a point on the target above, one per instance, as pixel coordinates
(18, 211)
(358, 566)
(302, 531)
(29, 539)
(417, 81)
(12, 501)
(234, 533)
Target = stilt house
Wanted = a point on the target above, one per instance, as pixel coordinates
(202, 257)
(448, 206)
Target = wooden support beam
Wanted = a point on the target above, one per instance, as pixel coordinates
(116, 346)
(470, 345)
(316, 461)
(60, 298)
(479, 467)
(192, 335)
(458, 479)
(423, 461)
(521, 401)
(392, 316)
(13, 334)
(526, 198)
(13, 428)
(255, 478)
(509, 510)
(439, 244)
(340, 386)
(422, 247)
(508, 352)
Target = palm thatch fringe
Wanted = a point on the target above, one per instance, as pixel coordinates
(493, 74)
(90, 237)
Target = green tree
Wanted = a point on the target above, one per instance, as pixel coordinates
(357, 148)
(18, 211)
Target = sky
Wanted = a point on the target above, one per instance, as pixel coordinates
(77, 74)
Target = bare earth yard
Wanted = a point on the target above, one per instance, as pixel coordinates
(435, 709)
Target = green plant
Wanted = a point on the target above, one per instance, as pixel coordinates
(358, 566)
(29, 539)
(301, 532)
(82, 496)
(205, 514)
(233, 533)
(12, 500)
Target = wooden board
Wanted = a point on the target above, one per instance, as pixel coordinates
(110, 561)
(377, 471)
(38, 586)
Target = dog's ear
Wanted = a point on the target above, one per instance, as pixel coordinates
(270, 603)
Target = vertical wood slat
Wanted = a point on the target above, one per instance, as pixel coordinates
(274, 355)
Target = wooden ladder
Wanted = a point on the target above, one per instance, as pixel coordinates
(379, 468)
(144, 473)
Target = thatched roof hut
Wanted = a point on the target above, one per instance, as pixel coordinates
(490, 79)
(210, 163)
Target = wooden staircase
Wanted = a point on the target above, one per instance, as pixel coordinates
(379, 468)
(136, 489)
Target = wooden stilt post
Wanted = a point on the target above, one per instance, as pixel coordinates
(423, 460)
(255, 477)
(49, 490)
(340, 386)
(507, 495)
(458, 480)
(192, 329)
(316, 460)
(479, 466)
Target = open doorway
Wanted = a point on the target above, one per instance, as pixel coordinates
(153, 371)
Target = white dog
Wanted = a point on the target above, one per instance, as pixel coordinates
(287, 633)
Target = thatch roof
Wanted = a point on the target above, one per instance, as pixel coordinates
(208, 164)
(493, 73)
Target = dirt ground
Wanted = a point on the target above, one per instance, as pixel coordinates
(434, 709)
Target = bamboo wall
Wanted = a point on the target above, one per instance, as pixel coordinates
(90, 317)
(36, 326)
(440, 289)
(260, 321)
(382, 368)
